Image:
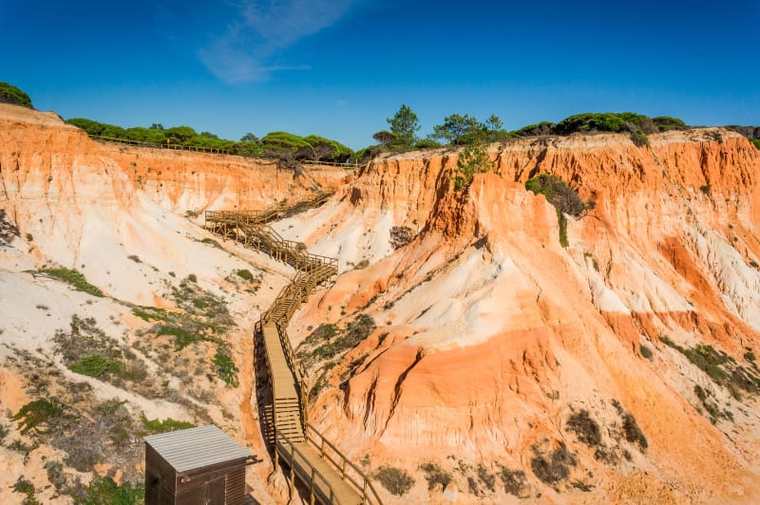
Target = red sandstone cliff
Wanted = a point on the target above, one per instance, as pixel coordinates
(490, 334)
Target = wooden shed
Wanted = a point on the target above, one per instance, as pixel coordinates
(197, 466)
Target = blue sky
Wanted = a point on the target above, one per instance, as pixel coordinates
(340, 67)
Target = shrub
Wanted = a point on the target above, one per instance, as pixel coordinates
(281, 145)
(720, 367)
(605, 122)
(11, 94)
(96, 366)
(631, 430)
(645, 351)
(558, 193)
(473, 159)
(488, 479)
(562, 220)
(585, 428)
(37, 413)
(400, 236)
(25, 487)
(537, 129)
(639, 138)
(153, 426)
(245, 274)
(104, 491)
(182, 337)
(756, 142)
(327, 149)
(225, 367)
(514, 481)
(667, 123)
(554, 468)
(436, 475)
(73, 278)
(427, 144)
(397, 481)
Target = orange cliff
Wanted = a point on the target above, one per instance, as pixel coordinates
(490, 335)
(43, 157)
(81, 203)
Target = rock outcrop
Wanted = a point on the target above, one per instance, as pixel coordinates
(489, 337)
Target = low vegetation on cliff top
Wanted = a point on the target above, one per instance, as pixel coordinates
(277, 145)
(466, 129)
(11, 94)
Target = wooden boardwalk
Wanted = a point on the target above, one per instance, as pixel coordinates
(325, 473)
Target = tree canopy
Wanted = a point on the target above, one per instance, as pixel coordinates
(404, 126)
(279, 144)
(11, 94)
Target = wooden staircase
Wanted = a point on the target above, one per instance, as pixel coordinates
(325, 473)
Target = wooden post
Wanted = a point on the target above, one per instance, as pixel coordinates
(311, 487)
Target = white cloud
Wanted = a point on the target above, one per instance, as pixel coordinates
(245, 51)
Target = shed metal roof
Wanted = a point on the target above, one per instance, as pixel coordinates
(196, 448)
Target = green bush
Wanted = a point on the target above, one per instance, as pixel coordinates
(25, 487)
(73, 278)
(562, 221)
(426, 144)
(281, 145)
(397, 481)
(555, 467)
(435, 475)
(645, 351)
(473, 159)
(605, 122)
(225, 367)
(182, 337)
(585, 428)
(667, 123)
(558, 193)
(514, 481)
(97, 366)
(153, 426)
(245, 274)
(36, 413)
(104, 491)
(11, 94)
(532, 130)
(639, 138)
(328, 150)
(756, 142)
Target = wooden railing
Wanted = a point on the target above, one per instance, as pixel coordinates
(312, 271)
(289, 450)
(348, 470)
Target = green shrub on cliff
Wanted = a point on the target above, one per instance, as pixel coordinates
(756, 142)
(12, 94)
(638, 126)
(564, 198)
(279, 145)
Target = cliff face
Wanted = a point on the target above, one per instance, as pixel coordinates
(472, 350)
(496, 346)
(172, 325)
(86, 203)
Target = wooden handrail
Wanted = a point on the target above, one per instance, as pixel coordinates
(366, 482)
(280, 438)
(312, 270)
